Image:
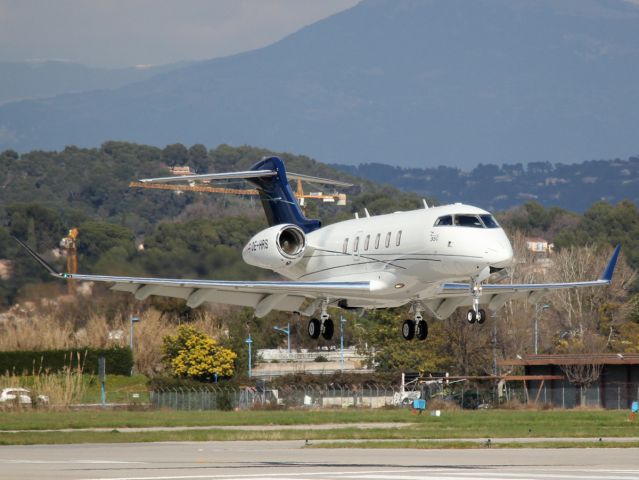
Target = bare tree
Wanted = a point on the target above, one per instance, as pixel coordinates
(584, 362)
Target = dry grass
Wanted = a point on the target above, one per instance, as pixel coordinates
(63, 388)
(76, 322)
(444, 405)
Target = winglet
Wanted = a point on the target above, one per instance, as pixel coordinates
(610, 268)
(40, 260)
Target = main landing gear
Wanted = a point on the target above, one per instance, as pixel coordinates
(417, 328)
(323, 327)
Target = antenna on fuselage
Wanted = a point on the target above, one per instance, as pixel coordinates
(425, 203)
(368, 215)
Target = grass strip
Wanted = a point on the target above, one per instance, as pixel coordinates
(426, 445)
(97, 418)
(456, 424)
(391, 437)
(115, 436)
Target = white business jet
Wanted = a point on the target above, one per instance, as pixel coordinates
(417, 257)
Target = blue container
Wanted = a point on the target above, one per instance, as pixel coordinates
(419, 404)
(635, 407)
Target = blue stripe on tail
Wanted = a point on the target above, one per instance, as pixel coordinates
(278, 200)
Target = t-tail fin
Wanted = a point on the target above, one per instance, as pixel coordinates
(278, 200)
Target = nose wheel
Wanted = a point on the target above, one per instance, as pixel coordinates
(478, 316)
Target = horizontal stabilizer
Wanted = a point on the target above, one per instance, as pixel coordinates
(323, 181)
(249, 174)
(213, 176)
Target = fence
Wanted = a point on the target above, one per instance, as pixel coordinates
(224, 398)
(611, 395)
(466, 395)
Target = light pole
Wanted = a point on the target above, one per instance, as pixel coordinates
(249, 341)
(342, 321)
(134, 319)
(286, 331)
(538, 310)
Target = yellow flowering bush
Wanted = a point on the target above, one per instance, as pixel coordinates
(191, 353)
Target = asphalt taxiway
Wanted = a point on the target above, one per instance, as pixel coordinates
(290, 460)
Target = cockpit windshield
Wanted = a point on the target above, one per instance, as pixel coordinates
(444, 221)
(467, 220)
(489, 221)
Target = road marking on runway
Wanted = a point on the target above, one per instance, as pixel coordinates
(71, 462)
(411, 474)
(499, 475)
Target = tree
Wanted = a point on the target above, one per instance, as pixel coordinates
(193, 354)
(585, 368)
(392, 353)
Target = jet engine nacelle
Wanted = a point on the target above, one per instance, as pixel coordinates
(276, 247)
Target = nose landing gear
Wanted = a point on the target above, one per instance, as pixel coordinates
(476, 314)
(479, 316)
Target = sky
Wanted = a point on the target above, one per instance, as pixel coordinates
(119, 33)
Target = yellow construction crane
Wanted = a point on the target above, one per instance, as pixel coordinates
(338, 198)
(193, 188)
(69, 243)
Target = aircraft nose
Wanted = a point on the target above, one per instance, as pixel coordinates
(500, 254)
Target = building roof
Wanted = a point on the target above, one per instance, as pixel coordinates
(573, 359)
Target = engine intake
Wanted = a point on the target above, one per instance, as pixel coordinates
(276, 247)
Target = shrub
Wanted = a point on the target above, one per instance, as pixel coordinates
(119, 360)
(193, 354)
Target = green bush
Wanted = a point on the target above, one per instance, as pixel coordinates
(119, 361)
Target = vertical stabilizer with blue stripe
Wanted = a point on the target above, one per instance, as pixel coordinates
(278, 200)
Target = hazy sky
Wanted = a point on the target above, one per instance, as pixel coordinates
(132, 32)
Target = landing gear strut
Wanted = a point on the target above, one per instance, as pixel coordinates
(324, 327)
(476, 314)
(417, 328)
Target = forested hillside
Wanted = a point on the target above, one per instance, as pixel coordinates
(574, 187)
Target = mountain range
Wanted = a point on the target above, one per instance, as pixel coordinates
(37, 79)
(413, 83)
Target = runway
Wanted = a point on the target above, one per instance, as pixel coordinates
(291, 461)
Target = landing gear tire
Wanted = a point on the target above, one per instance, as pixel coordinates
(408, 330)
(314, 328)
(481, 316)
(471, 316)
(421, 332)
(327, 329)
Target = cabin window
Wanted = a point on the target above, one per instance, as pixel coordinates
(446, 220)
(489, 221)
(367, 241)
(356, 244)
(399, 238)
(468, 221)
(377, 237)
(388, 237)
(345, 246)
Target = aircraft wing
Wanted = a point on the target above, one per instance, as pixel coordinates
(494, 296)
(263, 296)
